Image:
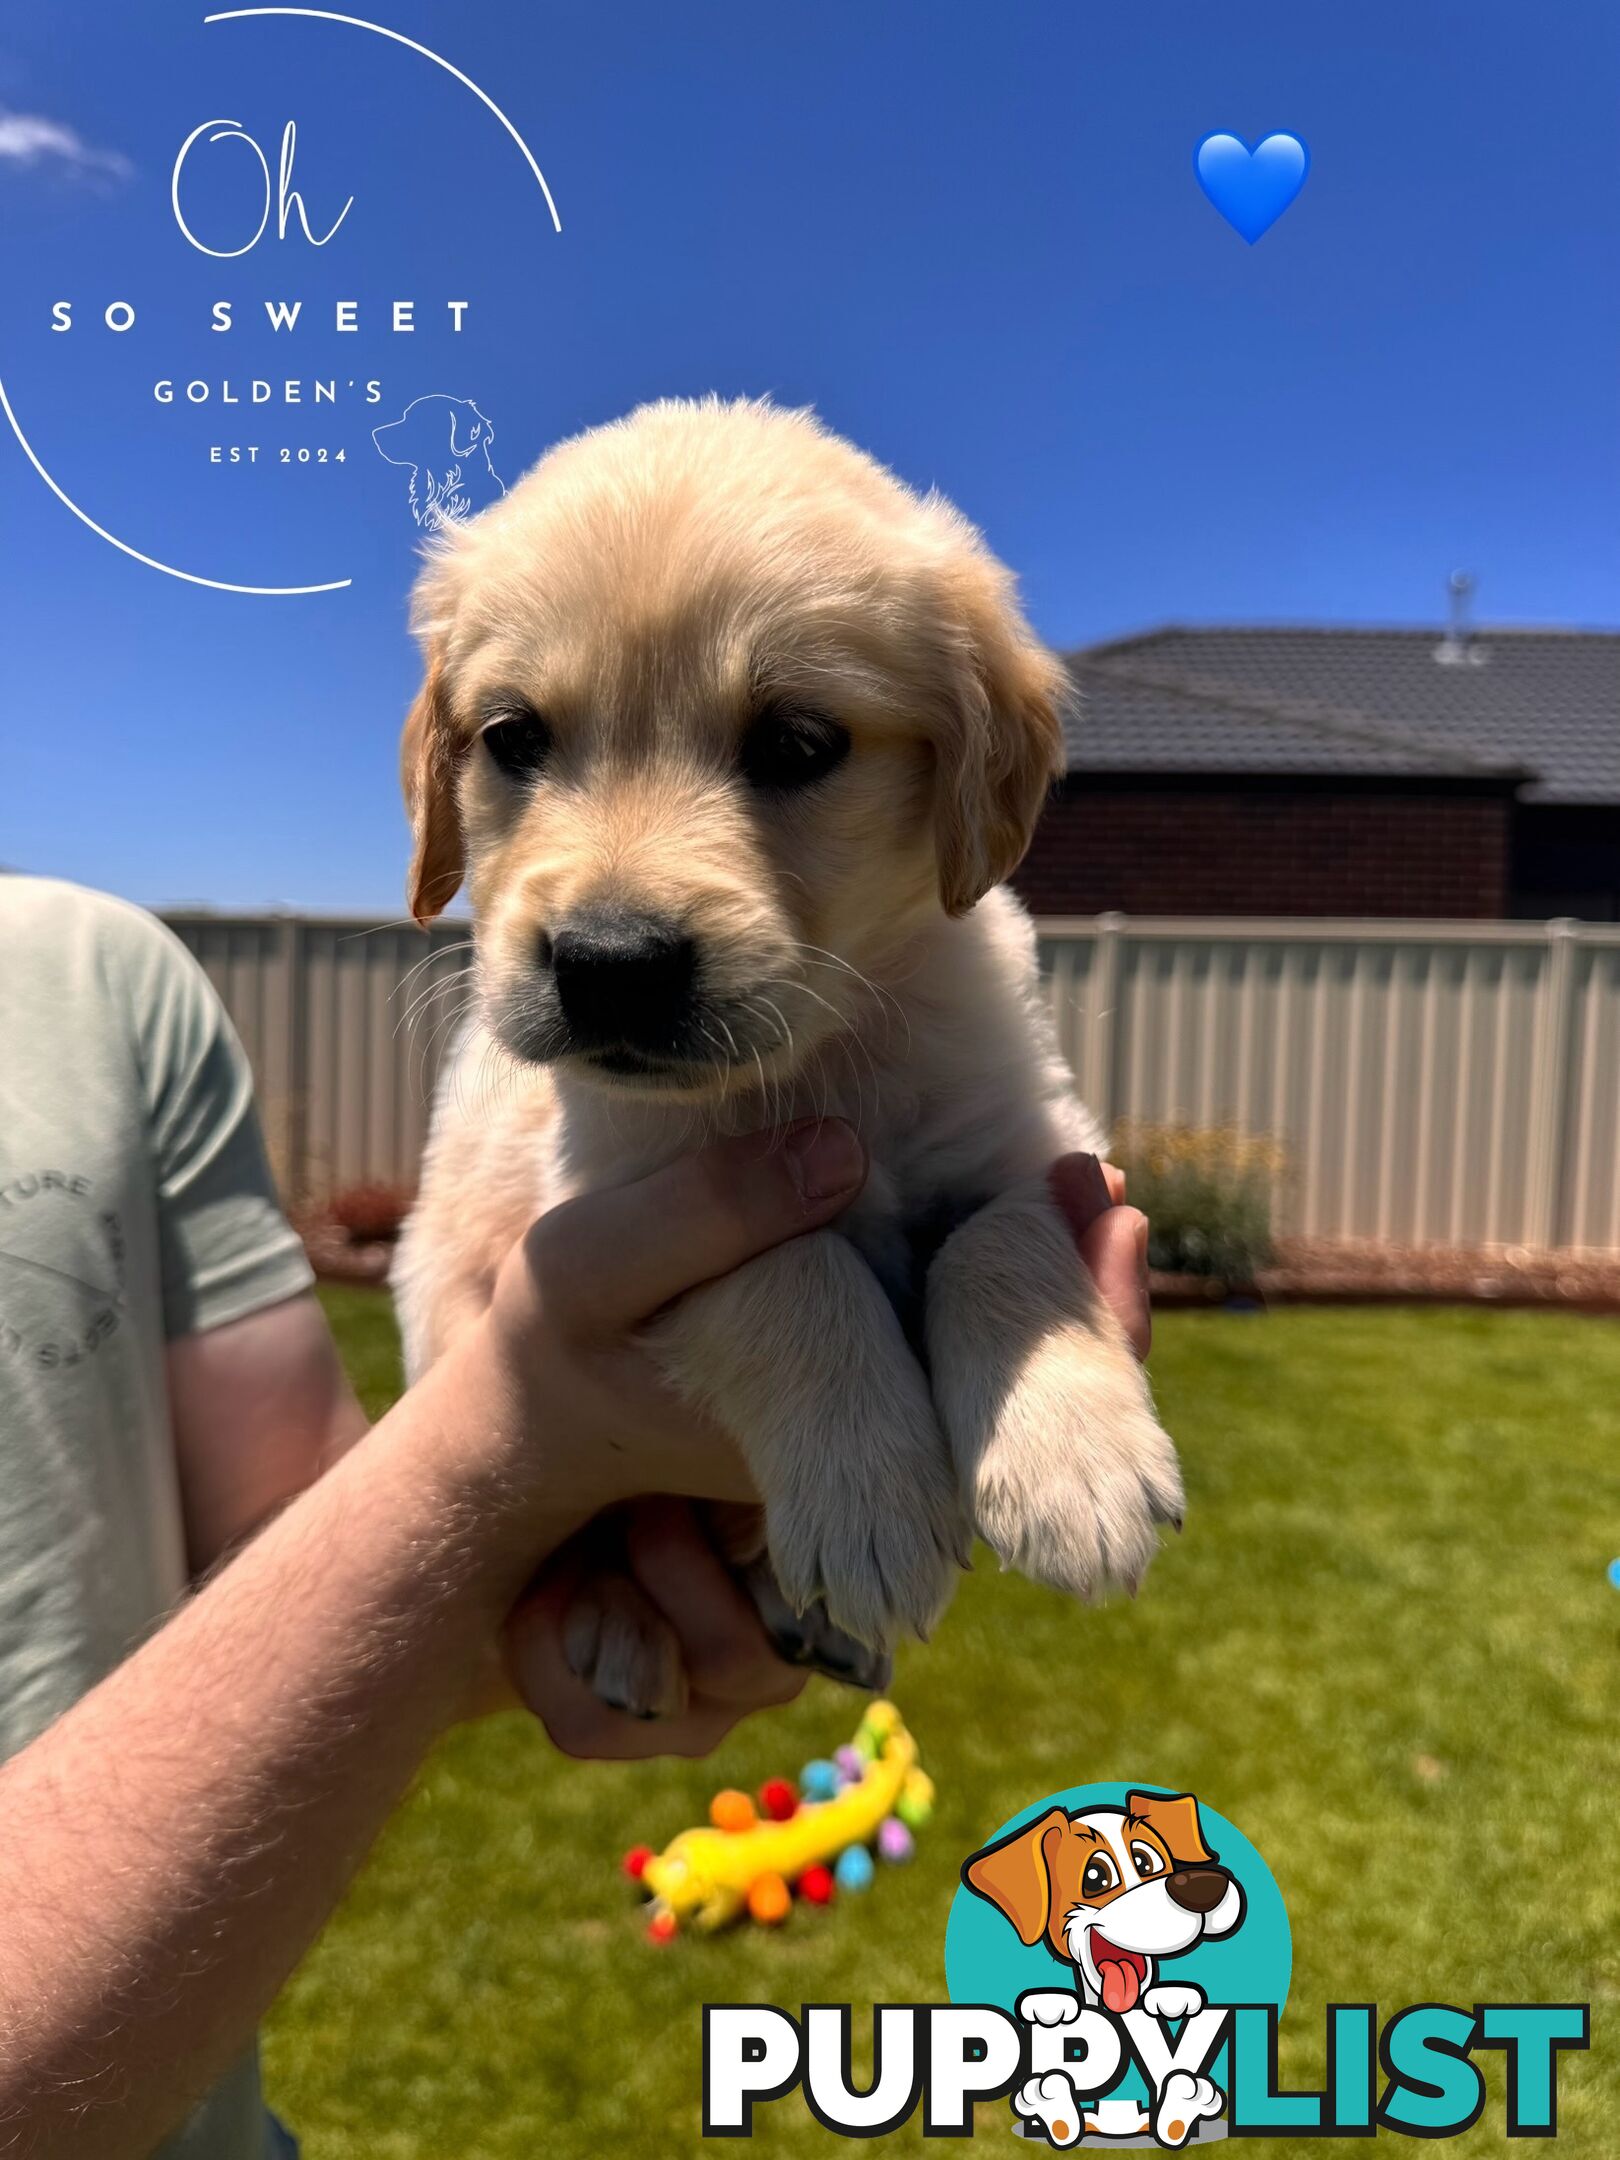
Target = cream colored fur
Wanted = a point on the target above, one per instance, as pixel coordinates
(646, 588)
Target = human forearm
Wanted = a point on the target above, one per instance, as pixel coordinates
(170, 1847)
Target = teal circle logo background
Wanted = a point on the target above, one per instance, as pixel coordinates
(986, 1963)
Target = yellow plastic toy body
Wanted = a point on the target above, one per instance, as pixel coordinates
(703, 1876)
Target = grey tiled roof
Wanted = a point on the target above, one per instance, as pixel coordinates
(1544, 704)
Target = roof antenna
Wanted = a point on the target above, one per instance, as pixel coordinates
(1458, 648)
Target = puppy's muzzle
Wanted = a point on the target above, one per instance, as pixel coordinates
(1198, 1890)
(625, 982)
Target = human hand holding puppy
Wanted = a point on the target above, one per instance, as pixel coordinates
(664, 1574)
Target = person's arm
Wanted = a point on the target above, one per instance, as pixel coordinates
(260, 1407)
(170, 1846)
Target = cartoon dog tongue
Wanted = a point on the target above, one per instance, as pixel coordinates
(1118, 1973)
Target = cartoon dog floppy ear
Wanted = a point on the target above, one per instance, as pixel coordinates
(1175, 1817)
(1016, 1877)
(1199, 1881)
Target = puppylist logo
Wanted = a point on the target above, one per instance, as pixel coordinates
(1117, 1961)
(262, 247)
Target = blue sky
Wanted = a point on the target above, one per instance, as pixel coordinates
(972, 238)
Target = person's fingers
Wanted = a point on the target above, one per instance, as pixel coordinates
(1079, 1185)
(727, 1654)
(576, 1720)
(1114, 1249)
(607, 1260)
(1111, 1239)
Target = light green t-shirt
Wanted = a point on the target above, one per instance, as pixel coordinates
(136, 1205)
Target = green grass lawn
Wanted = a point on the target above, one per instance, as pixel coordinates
(1385, 1648)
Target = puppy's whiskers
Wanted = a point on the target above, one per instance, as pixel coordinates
(888, 1004)
(425, 999)
(429, 959)
(454, 993)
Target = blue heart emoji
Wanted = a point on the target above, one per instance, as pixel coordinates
(1251, 188)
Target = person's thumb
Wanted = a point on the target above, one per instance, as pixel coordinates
(607, 1260)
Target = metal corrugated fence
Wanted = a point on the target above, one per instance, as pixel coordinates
(345, 1022)
(1431, 1083)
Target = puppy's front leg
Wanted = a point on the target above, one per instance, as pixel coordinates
(800, 1358)
(1064, 1467)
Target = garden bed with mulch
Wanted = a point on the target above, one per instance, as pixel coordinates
(1308, 1271)
(339, 1257)
(1317, 1271)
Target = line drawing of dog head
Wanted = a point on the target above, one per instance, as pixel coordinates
(445, 442)
(1111, 1890)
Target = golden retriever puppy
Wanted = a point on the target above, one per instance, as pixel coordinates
(731, 737)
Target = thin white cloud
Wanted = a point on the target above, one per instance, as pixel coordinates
(29, 139)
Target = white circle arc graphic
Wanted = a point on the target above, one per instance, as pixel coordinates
(398, 37)
(191, 577)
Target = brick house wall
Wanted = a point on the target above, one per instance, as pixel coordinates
(1181, 845)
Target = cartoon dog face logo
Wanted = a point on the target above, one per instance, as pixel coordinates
(446, 442)
(1112, 1891)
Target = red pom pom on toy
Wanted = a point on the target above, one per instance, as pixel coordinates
(635, 1861)
(661, 1927)
(778, 1800)
(816, 1884)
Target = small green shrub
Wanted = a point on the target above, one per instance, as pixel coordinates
(1207, 1193)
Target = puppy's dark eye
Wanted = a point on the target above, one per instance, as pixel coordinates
(519, 741)
(1148, 1861)
(1099, 1876)
(786, 749)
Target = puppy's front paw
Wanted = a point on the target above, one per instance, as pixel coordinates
(1064, 1467)
(1185, 2102)
(1049, 2006)
(809, 1638)
(1070, 1474)
(1052, 2102)
(1173, 2001)
(618, 1643)
(879, 1539)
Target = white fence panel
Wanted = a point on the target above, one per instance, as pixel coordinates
(1430, 1083)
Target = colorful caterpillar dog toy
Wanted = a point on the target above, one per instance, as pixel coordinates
(872, 1792)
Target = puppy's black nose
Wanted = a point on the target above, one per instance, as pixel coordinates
(1198, 1889)
(624, 980)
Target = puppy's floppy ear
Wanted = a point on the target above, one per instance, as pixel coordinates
(429, 753)
(1016, 1875)
(1002, 746)
(1175, 1817)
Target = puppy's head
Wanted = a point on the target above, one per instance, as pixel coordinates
(433, 431)
(717, 715)
(1112, 1890)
